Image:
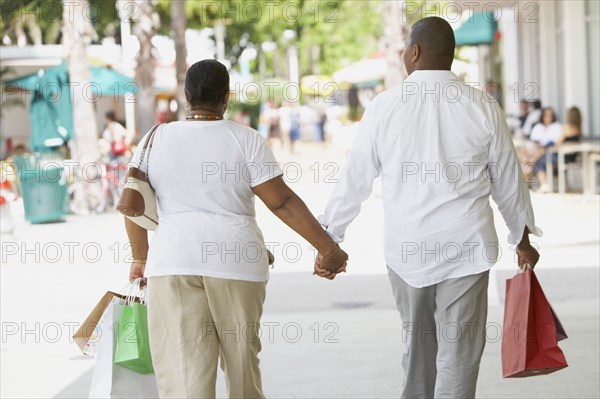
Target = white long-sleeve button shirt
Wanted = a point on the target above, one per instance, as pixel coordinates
(441, 148)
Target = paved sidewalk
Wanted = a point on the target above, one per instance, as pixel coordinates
(344, 340)
(52, 275)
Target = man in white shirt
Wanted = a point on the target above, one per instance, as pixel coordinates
(441, 148)
(532, 118)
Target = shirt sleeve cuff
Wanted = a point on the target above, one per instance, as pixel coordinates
(516, 234)
(336, 236)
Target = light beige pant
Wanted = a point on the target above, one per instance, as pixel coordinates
(443, 330)
(193, 319)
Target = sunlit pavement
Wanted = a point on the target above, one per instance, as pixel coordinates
(323, 339)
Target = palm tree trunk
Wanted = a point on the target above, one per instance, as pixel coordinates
(145, 65)
(395, 35)
(179, 25)
(77, 36)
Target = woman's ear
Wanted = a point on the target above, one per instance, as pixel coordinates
(226, 101)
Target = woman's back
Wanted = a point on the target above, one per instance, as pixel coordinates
(208, 167)
(207, 264)
(203, 173)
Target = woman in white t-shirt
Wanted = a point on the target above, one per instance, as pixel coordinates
(207, 265)
(545, 134)
(116, 136)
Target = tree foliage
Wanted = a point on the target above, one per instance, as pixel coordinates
(329, 34)
(343, 30)
(40, 21)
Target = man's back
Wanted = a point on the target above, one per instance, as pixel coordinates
(441, 148)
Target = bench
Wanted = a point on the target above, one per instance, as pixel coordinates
(590, 153)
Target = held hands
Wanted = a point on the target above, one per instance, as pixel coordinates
(331, 263)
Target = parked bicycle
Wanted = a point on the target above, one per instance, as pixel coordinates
(97, 194)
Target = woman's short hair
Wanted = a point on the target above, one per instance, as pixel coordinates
(206, 82)
(573, 117)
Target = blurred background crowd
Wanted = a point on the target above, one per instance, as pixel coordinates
(83, 81)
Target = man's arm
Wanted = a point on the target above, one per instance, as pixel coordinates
(509, 190)
(356, 180)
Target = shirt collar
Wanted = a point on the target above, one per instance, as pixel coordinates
(430, 75)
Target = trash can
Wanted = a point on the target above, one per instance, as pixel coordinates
(44, 191)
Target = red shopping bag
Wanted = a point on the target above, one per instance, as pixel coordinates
(531, 330)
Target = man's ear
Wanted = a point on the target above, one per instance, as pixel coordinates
(416, 53)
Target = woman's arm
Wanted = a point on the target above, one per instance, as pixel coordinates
(566, 132)
(138, 239)
(288, 207)
(561, 138)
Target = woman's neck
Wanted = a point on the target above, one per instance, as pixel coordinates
(206, 111)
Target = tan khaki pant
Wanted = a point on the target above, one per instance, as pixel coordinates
(193, 319)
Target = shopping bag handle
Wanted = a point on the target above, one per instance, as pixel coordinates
(134, 290)
(525, 267)
(140, 291)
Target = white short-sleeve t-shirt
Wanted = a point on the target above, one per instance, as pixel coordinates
(203, 173)
(546, 134)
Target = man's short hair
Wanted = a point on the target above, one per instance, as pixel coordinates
(435, 37)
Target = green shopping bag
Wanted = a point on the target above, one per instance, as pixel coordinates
(133, 348)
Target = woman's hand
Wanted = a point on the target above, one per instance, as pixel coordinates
(331, 264)
(137, 271)
(334, 260)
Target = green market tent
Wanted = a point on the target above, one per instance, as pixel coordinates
(480, 28)
(50, 112)
(106, 82)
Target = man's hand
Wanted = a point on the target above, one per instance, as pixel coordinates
(331, 264)
(526, 255)
(334, 259)
(137, 271)
(319, 271)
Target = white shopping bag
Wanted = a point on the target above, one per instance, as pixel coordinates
(110, 380)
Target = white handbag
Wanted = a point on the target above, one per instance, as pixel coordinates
(138, 201)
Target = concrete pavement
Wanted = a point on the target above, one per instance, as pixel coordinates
(343, 339)
(350, 345)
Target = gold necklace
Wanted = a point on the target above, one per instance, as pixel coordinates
(198, 117)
